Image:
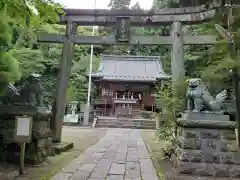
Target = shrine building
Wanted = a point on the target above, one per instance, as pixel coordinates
(126, 85)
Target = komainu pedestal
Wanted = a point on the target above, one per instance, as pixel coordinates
(207, 148)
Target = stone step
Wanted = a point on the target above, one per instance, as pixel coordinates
(126, 123)
(124, 126)
(130, 127)
(131, 123)
(62, 147)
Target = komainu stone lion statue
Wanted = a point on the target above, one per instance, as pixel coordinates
(199, 98)
(31, 91)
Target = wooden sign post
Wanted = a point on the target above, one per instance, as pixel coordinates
(23, 135)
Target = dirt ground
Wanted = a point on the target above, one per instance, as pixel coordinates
(82, 138)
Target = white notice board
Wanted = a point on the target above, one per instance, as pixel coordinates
(23, 126)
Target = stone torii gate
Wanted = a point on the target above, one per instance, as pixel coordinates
(175, 17)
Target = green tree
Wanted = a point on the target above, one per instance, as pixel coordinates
(51, 60)
(119, 4)
(18, 20)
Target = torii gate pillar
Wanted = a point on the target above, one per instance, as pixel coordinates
(62, 81)
(177, 55)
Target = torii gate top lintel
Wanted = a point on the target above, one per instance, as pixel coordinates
(89, 17)
(106, 17)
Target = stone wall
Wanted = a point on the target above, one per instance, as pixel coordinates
(207, 151)
(41, 145)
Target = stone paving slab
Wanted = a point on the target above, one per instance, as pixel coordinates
(120, 155)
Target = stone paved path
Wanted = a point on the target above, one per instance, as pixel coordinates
(120, 155)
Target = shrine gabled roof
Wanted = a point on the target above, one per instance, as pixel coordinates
(130, 68)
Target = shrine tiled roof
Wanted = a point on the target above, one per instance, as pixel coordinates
(130, 68)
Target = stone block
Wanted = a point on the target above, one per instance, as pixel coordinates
(115, 177)
(193, 168)
(132, 157)
(223, 146)
(117, 169)
(87, 167)
(148, 176)
(132, 166)
(99, 172)
(189, 143)
(227, 158)
(189, 133)
(210, 133)
(228, 134)
(232, 146)
(146, 166)
(62, 147)
(109, 155)
(234, 171)
(120, 158)
(211, 157)
(191, 155)
(132, 149)
(132, 174)
(206, 170)
(221, 170)
(204, 116)
(210, 145)
(236, 156)
(104, 163)
(83, 175)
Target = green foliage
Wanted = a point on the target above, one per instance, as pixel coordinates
(119, 4)
(18, 20)
(9, 70)
(172, 105)
(49, 84)
(30, 61)
(79, 83)
(5, 31)
(72, 93)
(35, 11)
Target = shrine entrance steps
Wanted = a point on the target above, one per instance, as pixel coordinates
(132, 123)
(136, 111)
